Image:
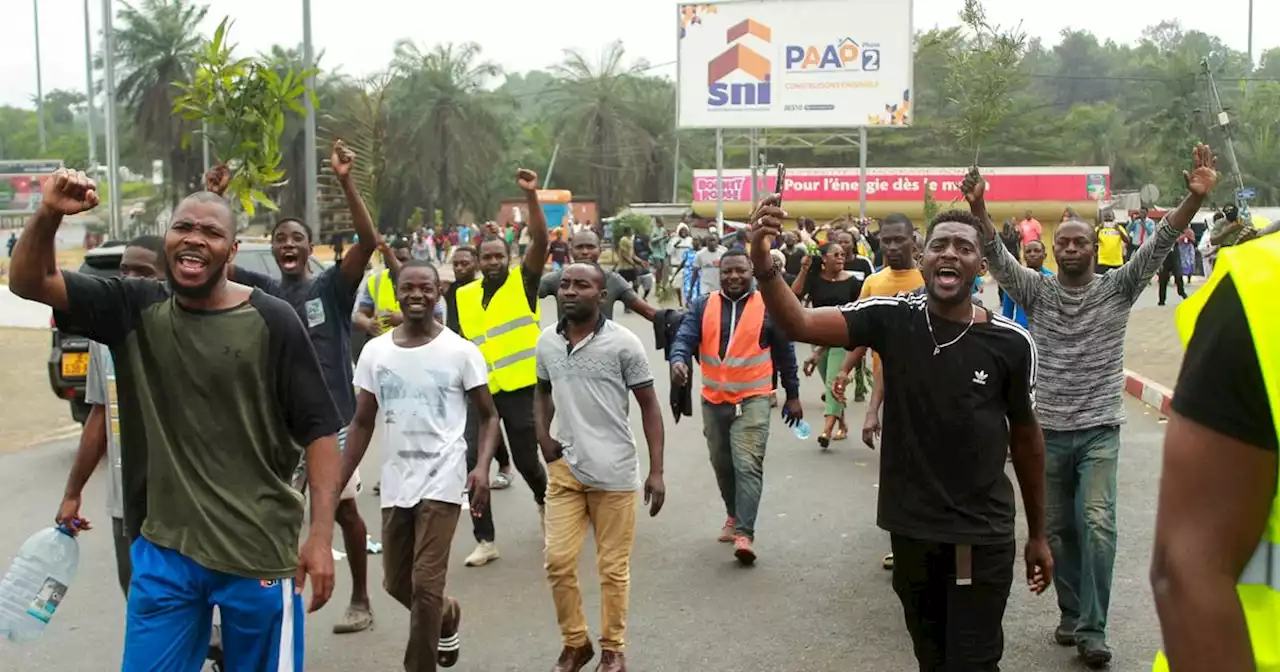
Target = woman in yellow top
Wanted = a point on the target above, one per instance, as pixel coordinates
(1112, 241)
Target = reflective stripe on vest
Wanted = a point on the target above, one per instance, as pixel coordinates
(746, 369)
(383, 293)
(506, 331)
(1254, 268)
(508, 327)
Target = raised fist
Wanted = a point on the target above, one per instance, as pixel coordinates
(974, 187)
(342, 159)
(217, 179)
(527, 180)
(69, 192)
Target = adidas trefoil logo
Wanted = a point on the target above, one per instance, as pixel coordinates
(980, 377)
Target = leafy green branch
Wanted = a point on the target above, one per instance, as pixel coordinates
(242, 102)
(982, 76)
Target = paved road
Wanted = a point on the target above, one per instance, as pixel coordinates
(817, 600)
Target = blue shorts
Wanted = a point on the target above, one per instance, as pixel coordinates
(170, 614)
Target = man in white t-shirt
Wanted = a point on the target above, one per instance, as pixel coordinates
(413, 383)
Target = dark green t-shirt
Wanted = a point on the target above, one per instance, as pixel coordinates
(214, 410)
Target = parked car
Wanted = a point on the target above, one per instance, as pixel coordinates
(69, 355)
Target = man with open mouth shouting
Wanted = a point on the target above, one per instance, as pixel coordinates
(218, 389)
(325, 302)
(959, 385)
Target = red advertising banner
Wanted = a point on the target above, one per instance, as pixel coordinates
(1057, 184)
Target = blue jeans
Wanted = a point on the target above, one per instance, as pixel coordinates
(737, 444)
(1080, 478)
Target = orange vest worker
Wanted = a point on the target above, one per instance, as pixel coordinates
(746, 369)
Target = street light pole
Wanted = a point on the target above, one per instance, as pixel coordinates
(35, 8)
(109, 106)
(308, 58)
(88, 88)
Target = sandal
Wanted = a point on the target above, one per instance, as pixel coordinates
(501, 481)
(356, 619)
(840, 434)
(449, 647)
(824, 440)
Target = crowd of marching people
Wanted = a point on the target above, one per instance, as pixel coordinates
(224, 399)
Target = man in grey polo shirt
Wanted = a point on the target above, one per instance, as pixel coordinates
(588, 366)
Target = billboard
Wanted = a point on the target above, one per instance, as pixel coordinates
(1051, 184)
(794, 64)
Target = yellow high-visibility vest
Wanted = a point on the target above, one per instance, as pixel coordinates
(1255, 269)
(383, 292)
(506, 331)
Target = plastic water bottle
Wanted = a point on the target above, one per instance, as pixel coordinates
(802, 430)
(37, 582)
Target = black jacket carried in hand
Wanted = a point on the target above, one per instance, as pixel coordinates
(665, 324)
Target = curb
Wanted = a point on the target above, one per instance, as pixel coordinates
(1148, 391)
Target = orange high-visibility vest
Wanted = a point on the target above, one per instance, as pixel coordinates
(746, 369)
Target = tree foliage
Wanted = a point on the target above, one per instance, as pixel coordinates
(242, 102)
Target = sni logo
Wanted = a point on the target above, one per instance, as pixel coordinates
(843, 55)
(980, 377)
(742, 58)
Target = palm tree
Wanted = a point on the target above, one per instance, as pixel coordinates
(593, 105)
(155, 42)
(449, 119)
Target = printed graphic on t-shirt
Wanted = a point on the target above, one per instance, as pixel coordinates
(315, 313)
(401, 398)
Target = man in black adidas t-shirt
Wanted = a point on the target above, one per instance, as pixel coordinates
(959, 385)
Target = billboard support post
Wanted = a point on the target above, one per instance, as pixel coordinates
(720, 179)
(754, 165)
(862, 171)
(675, 172)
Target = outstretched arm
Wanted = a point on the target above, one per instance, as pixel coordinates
(1016, 280)
(535, 258)
(1201, 179)
(33, 266)
(357, 257)
(819, 326)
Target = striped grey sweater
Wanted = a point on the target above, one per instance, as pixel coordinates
(1079, 332)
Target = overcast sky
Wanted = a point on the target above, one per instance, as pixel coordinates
(523, 35)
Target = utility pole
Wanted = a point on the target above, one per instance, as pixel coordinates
(1224, 122)
(35, 9)
(308, 62)
(1250, 36)
(109, 105)
(88, 89)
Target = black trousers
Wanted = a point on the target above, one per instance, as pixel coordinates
(1172, 266)
(516, 411)
(953, 628)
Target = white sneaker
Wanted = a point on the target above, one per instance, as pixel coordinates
(484, 554)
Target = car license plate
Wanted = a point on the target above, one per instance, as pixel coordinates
(75, 365)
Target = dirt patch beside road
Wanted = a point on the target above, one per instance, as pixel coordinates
(31, 412)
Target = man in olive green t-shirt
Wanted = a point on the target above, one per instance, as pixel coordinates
(219, 389)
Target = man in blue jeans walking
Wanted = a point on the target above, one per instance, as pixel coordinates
(1078, 321)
